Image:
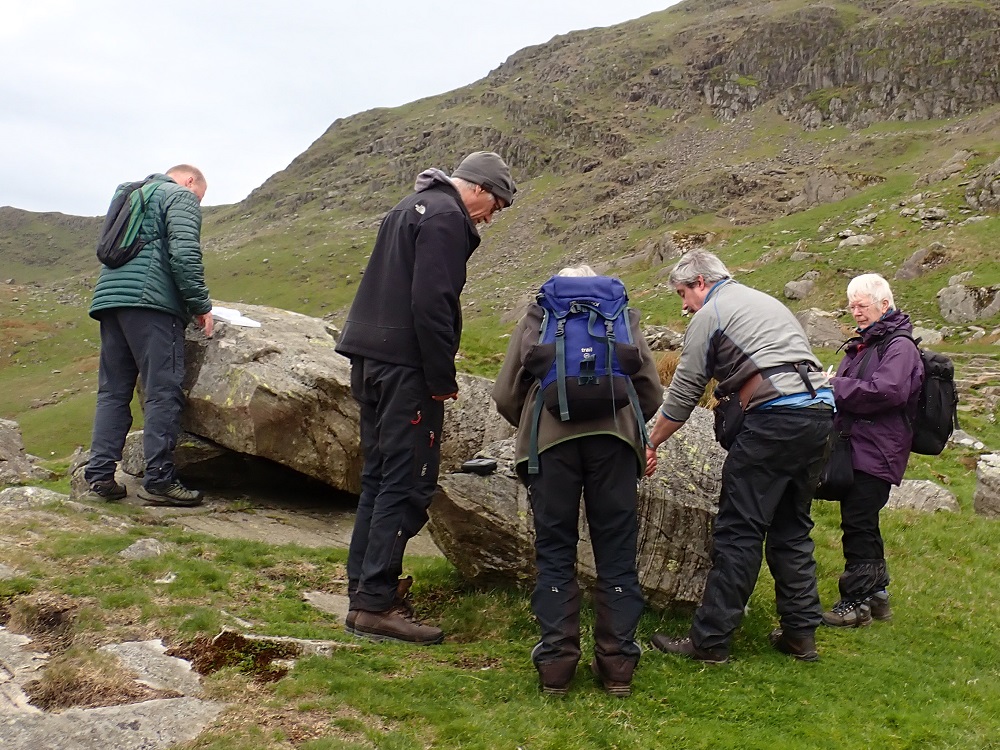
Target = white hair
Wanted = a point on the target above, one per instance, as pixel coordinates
(872, 286)
(577, 271)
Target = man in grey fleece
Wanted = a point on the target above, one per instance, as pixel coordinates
(758, 352)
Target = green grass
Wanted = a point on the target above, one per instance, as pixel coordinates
(928, 679)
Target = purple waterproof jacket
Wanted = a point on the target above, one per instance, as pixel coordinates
(883, 400)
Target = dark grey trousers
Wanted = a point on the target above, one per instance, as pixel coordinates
(401, 439)
(767, 484)
(603, 469)
(137, 342)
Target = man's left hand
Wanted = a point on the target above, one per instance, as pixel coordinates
(206, 323)
(450, 396)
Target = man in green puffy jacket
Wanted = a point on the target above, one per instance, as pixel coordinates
(143, 308)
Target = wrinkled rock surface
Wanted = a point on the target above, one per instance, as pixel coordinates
(986, 499)
(964, 304)
(822, 328)
(922, 495)
(484, 524)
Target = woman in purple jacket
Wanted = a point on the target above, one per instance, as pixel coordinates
(876, 389)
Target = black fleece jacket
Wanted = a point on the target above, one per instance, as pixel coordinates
(407, 308)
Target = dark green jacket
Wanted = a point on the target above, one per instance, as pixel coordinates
(168, 273)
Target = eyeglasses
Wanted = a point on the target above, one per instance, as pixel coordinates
(498, 205)
(857, 306)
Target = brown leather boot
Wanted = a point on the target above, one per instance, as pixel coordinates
(802, 647)
(685, 647)
(395, 624)
(402, 598)
(614, 684)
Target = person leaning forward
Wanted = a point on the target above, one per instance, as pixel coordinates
(143, 308)
(754, 347)
(402, 334)
(602, 458)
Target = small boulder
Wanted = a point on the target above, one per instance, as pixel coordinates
(922, 495)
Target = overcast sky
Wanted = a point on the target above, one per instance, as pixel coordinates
(99, 92)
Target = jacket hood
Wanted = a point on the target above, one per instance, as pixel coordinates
(431, 178)
(435, 178)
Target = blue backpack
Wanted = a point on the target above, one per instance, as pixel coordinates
(585, 356)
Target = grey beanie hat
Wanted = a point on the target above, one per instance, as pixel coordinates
(489, 171)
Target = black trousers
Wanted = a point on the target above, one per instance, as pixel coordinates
(865, 571)
(767, 483)
(136, 342)
(401, 440)
(603, 468)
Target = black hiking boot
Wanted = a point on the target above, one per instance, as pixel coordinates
(172, 494)
(108, 489)
(554, 676)
(685, 647)
(802, 647)
(846, 614)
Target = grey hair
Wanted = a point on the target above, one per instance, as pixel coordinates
(577, 271)
(698, 263)
(873, 286)
(460, 183)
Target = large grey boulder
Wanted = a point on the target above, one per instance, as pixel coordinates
(822, 328)
(484, 525)
(964, 304)
(986, 499)
(282, 393)
(921, 495)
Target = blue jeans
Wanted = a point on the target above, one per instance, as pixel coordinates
(137, 342)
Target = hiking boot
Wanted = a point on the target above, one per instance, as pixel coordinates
(108, 489)
(173, 494)
(402, 599)
(617, 688)
(555, 675)
(847, 614)
(395, 624)
(685, 647)
(878, 603)
(802, 647)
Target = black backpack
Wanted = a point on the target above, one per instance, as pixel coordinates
(937, 408)
(119, 240)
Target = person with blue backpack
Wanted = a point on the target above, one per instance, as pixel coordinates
(777, 410)
(579, 382)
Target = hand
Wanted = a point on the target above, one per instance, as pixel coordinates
(205, 322)
(451, 396)
(650, 462)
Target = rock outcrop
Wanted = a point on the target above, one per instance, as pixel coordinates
(16, 466)
(282, 393)
(986, 499)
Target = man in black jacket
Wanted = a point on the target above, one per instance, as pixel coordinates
(401, 335)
